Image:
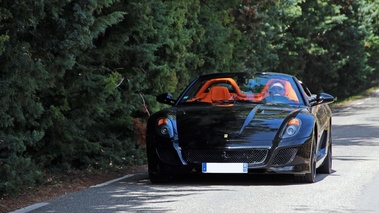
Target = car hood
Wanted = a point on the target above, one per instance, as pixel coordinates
(231, 126)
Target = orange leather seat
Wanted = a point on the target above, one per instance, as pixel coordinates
(217, 93)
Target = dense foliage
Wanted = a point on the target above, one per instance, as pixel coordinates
(79, 78)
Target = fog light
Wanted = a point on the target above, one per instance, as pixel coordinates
(164, 130)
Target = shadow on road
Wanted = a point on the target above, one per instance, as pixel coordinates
(355, 135)
(137, 194)
(149, 195)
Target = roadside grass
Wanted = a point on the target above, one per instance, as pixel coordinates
(360, 95)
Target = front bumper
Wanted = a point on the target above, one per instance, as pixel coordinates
(291, 157)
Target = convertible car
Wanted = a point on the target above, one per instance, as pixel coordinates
(241, 123)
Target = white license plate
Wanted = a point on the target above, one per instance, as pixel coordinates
(224, 167)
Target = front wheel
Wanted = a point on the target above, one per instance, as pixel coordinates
(311, 176)
(160, 177)
(158, 171)
(326, 167)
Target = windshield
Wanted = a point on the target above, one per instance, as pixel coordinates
(243, 88)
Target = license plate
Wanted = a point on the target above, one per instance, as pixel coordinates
(224, 167)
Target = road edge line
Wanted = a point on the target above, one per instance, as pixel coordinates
(111, 181)
(31, 207)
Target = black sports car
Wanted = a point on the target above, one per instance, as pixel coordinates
(241, 123)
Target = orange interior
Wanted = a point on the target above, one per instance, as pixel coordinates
(202, 93)
(290, 92)
(217, 93)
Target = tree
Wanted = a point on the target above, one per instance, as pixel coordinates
(369, 16)
(49, 100)
(21, 111)
(320, 42)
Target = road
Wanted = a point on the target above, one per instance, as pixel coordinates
(352, 187)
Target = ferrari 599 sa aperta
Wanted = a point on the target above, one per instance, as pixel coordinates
(241, 123)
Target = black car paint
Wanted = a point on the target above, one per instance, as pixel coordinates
(241, 126)
(205, 128)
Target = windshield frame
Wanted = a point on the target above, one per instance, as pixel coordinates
(241, 79)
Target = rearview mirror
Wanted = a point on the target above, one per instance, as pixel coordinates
(322, 98)
(166, 98)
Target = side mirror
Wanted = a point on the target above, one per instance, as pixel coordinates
(322, 98)
(166, 98)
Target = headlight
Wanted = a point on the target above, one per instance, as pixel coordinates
(292, 128)
(165, 127)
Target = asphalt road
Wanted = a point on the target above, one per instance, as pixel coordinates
(352, 187)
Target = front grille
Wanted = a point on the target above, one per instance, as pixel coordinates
(284, 156)
(253, 156)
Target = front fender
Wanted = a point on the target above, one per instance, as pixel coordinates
(307, 126)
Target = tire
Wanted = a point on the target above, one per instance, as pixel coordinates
(158, 172)
(311, 176)
(326, 167)
(160, 177)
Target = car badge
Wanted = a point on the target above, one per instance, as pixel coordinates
(225, 155)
